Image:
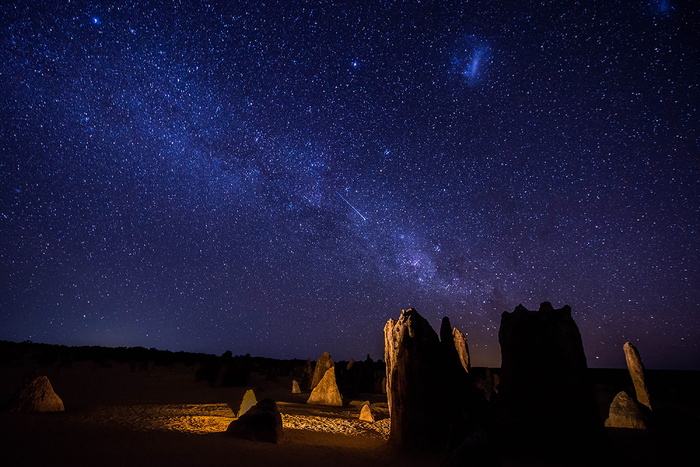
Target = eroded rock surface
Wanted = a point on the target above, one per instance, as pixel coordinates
(36, 396)
(636, 369)
(323, 363)
(625, 412)
(263, 422)
(326, 392)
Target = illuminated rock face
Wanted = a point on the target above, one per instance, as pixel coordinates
(454, 344)
(263, 422)
(249, 400)
(460, 341)
(545, 398)
(636, 369)
(433, 402)
(366, 414)
(295, 387)
(414, 382)
(323, 363)
(625, 412)
(36, 396)
(326, 392)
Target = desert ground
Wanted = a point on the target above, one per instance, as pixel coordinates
(119, 415)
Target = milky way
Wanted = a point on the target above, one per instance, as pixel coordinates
(281, 179)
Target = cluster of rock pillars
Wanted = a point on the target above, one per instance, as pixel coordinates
(544, 404)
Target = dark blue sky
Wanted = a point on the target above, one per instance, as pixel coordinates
(281, 178)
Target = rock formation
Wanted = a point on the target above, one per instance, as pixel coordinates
(307, 374)
(36, 396)
(462, 347)
(546, 401)
(413, 371)
(625, 412)
(454, 344)
(636, 369)
(431, 399)
(366, 414)
(323, 363)
(295, 387)
(247, 402)
(326, 391)
(263, 422)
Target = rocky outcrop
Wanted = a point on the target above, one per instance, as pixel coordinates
(431, 399)
(248, 401)
(36, 396)
(546, 400)
(323, 363)
(412, 354)
(636, 369)
(326, 391)
(625, 412)
(295, 387)
(263, 422)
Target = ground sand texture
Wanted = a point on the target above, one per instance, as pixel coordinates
(118, 417)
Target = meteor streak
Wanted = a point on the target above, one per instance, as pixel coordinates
(353, 207)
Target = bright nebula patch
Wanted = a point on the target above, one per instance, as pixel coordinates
(470, 60)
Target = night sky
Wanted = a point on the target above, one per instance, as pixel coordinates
(279, 178)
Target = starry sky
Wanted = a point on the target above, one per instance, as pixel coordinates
(279, 178)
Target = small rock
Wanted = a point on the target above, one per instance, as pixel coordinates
(295, 387)
(263, 422)
(36, 396)
(625, 412)
(366, 414)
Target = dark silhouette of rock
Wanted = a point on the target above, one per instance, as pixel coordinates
(307, 374)
(249, 400)
(357, 377)
(432, 402)
(412, 354)
(263, 422)
(486, 381)
(546, 400)
(323, 363)
(448, 343)
(476, 450)
(636, 369)
(36, 396)
(295, 387)
(454, 344)
(625, 412)
(227, 370)
(326, 391)
(366, 414)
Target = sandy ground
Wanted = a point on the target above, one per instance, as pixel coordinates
(118, 417)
